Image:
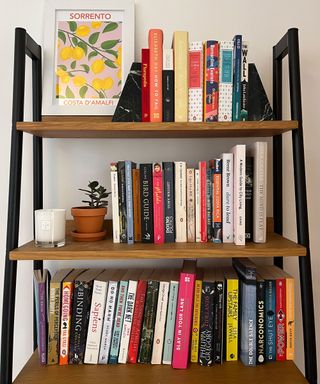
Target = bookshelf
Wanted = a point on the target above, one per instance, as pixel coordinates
(95, 127)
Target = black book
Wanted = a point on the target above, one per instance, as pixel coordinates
(167, 86)
(261, 292)
(146, 194)
(169, 202)
(122, 201)
(80, 314)
(218, 317)
(249, 199)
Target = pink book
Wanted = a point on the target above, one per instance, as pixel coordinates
(182, 332)
(158, 214)
(203, 200)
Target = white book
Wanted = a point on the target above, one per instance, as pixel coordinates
(167, 60)
(239, 196)
(258, 151)
(227, 197)
(197, 205)
(160, 322)
(195, 104)
(115, 203)
(181, 201)
(225, 80)
(191, 230)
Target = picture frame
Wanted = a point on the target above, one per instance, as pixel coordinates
(88, 52)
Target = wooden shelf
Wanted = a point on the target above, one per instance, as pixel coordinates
(227, 373)
(101, 126)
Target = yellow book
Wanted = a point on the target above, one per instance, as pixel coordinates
(180, 47)
(290, 317)
(196, 322)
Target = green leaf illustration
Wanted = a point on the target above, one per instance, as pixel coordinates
(72, 26)
(119, 83)
(110, 27)
(63, 67)
(84, 46)
(83, 91)
(62, 36)
(108, 44)
(75, 41)
(73, 64)
(92, 54)
(94, 37)
(101, 95)
(70, 74)
(86, 67)
(69, 93)
(110, 64)
(112, 52)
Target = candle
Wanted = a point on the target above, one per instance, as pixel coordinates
(50, 227)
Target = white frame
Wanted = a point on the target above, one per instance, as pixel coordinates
(49, 107)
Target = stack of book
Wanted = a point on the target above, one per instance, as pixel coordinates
(224, 200)
(194, 81)
(165, 316)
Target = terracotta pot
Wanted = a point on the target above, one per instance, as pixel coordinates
(88, 220)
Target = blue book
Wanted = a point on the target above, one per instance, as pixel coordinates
(129, 200)
(236, 94)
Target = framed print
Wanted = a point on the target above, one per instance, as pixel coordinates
(88, 51)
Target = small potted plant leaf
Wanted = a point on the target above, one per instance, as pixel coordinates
(89, 219)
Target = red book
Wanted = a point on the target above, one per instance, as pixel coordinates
(158, 214)
(203, 200)
(156, 56)
(145, 88)
(281, 319)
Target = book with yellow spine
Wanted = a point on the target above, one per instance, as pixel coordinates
(196, 320)
(290, 316)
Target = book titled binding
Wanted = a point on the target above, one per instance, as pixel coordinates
(136, 204)
(211, 80)
(156, 56)
(195, 104)
(169, 202)
(244, 82)
(261, 294)
(168, 86)
(115, 202)
(146, 194)
(145, 84)
(225, 81)
(180, 201)
(158, 213)
(203, 200)
(129, 166)
(236, 97)
(122, 202)
(227, 197)
(249, 198)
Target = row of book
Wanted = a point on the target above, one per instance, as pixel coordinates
(223, 200)
(196, 81)
(166, 316)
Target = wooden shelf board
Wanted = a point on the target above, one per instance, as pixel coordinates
(102, 127)
(227, 373)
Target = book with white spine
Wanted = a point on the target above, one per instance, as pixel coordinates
(258, 151)
(227, 197)
(239, 196)
(195, 102)
(197, 205)
(181, 201)
(115, 202)
(225, 80)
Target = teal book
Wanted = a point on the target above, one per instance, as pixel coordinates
(236, 96)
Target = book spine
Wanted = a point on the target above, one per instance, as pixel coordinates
(232, 319)
(122, 202)
(156, 57)
(203, 200)
(127, 322)
(145, 88)
(180, 49)
(261, 293)
(280, 319)
(137, 322)
(217, 200)
(218, 323)
(183, 321)
(191, 228)
(115, 203)
(249, 198)
(290, 318)
(66, 312)
(170, 323)
(136, 204)
(169, 202)
(146, 193)
(118, 321)
(97, 309)
(196, 322)
(236, 97)
(244, 82)
(209, 205)
(195, 105)
(181, 201)
(168, 86)
(206, 323)
(227, 198)
(147, 333)
(43, 326)
(160, 323)
(211, 80)
(197, 206)
(158, 214)
(270, 319)
(129, 201)
(226, 80)
(108, 322)
(54, 323)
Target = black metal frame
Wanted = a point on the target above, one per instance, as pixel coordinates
(289, 45)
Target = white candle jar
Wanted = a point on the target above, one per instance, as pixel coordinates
(50, 227)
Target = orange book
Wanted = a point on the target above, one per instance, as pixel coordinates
(136, 204)
(156, 53)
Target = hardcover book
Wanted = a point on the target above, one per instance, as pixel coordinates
(115, 202)
(244, 82)
(158, 211)
(145, 84)
(227, 198)
(122, 202)
(249, 198)
(225, 81)
(191, 227)
(169, 202)
(156, 57)
(146, 193)
(129, 166)
(195, 104)
(211, 80)
(236, 97)
(180, 170)
(168, 86)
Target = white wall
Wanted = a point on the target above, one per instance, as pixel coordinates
(69, 164)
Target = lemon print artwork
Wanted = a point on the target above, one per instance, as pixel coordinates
(88, 60)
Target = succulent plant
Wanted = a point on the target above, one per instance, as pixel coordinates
(97, 193)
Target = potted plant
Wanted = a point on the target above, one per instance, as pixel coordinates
(89, 219)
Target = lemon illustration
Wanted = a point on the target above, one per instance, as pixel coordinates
(83, 30)
(60, 72)
(65, 79)
(118, 60)
(97, 84)
(79, 81)
(58, 89)
(97, 66)
(66, 53)
(77, 53)
(119, 74)
(96, 24)
(107, 83)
